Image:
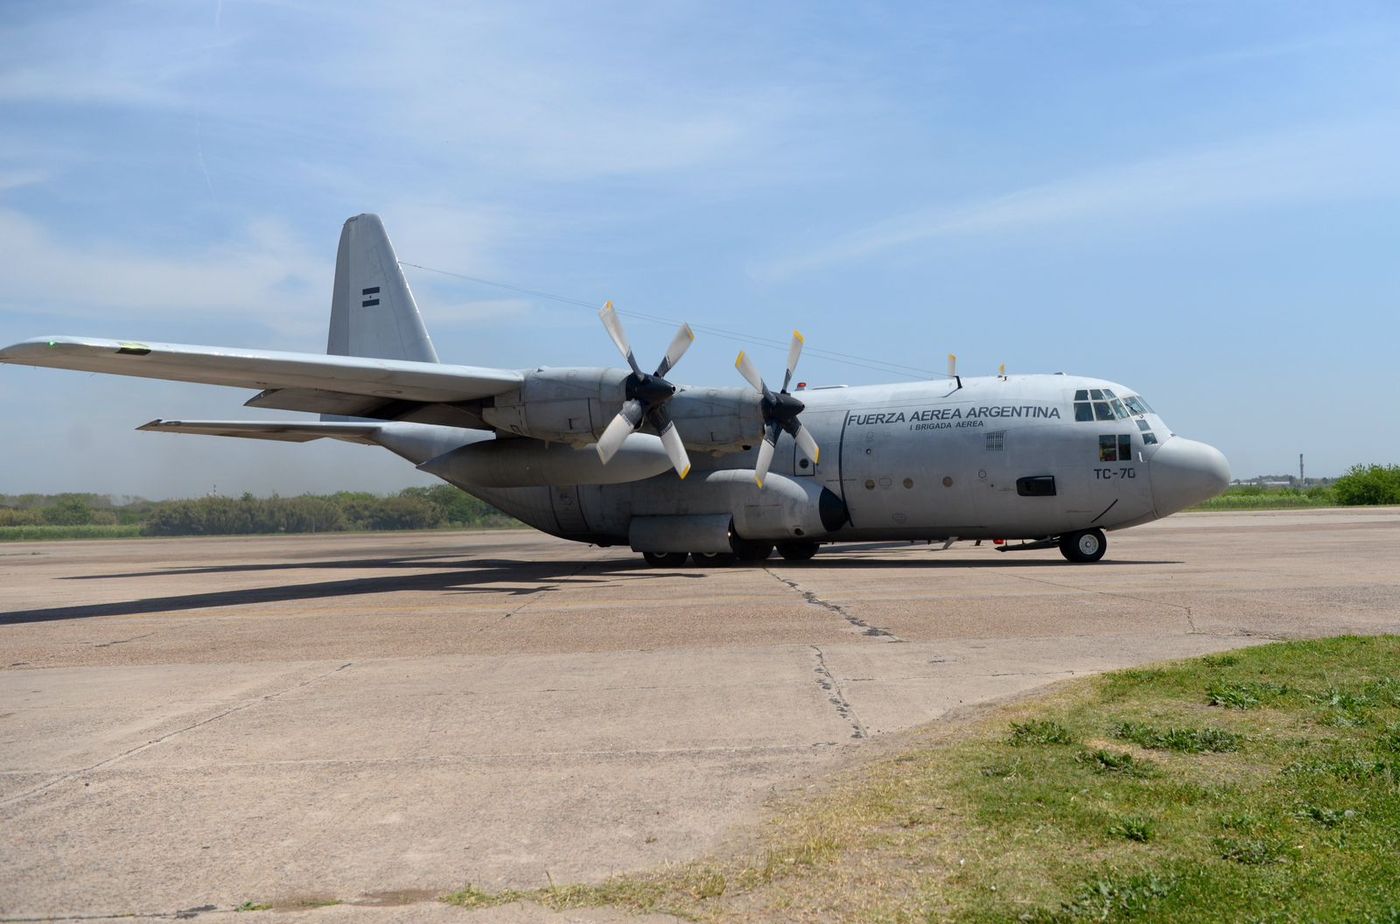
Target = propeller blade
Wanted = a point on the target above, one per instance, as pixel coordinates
(794, 352)
(750, 372)
(619, 428)
(952, 366)
(671, 439)
(682, 341)
(765, 453)
(619, 336)
(807, 444)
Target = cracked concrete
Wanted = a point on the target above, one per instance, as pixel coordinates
(192, 724)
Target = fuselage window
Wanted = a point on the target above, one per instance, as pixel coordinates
(1115, 448)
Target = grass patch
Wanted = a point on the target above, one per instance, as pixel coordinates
(1217, 789)
(1133, 829)
(1185, 740)
(39, 533)
(1244, 694)
(1260, 497)
(1038, 731)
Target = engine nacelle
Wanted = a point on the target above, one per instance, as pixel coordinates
(574, 406)
(560, 405)
(717, 418)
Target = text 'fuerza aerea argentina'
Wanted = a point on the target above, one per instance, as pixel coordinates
(938, 418)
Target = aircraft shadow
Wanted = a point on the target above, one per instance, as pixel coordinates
(465, 576)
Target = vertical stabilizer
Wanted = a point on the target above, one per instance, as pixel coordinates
(372, 311)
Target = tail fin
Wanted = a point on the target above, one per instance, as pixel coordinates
(372, 311)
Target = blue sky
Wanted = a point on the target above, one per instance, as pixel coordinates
(1199, 200)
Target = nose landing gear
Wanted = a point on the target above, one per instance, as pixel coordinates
(1084, 546)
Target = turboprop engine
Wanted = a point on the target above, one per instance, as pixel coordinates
(575, 406)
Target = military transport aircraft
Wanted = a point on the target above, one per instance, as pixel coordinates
(603, 455)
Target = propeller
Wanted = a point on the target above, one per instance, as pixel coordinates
(646, 395)
(779, 411)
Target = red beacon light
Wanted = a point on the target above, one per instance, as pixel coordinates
(801, 385)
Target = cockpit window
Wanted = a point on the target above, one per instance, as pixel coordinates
(1091, 404)
(1137, 405)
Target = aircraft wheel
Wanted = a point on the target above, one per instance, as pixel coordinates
(751, 549)
(713, 559)
(665, 559)
(1085, 546)
(797, 551)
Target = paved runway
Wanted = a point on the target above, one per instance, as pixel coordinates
(379, 719)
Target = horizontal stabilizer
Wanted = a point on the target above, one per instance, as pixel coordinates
(403, 380)
(284, 431)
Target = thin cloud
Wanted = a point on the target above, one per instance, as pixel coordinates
(1325, 162)
(268, 276)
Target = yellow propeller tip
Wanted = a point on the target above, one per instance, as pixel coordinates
(758, 481)
(740, 361)
(817, 457)
(798, 335)
(684, 473)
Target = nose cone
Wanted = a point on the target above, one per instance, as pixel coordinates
(1185, 472)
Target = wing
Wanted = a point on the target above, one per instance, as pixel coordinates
(287, 432)
(393, 380)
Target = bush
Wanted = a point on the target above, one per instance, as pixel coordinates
(1368, 484)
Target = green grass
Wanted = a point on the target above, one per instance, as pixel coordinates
(1259, 497)
(1261, 785)
(38, 533)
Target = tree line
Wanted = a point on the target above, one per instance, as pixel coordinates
(440, 506)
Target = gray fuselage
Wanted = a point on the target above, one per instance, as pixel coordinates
(993, 458)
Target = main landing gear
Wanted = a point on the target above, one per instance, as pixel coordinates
(745, 550)
(1084, 546)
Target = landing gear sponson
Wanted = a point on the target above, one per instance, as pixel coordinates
(1081, 547)
(745, 550)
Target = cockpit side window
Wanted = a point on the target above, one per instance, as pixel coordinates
(1102, 411)
(1137, 405)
